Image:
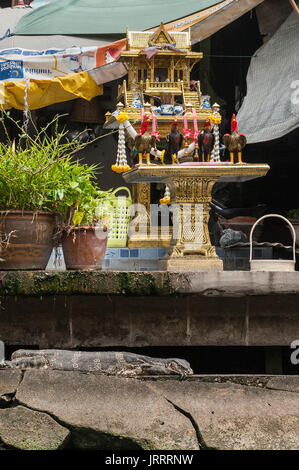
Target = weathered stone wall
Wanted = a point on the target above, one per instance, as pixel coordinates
(101, 309)
(102, 321)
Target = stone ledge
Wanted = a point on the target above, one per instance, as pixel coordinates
(114, 413)
(154, 283)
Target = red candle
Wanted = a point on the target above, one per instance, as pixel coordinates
(195, 134)
(154, 127)
(154, 123)
(186, 130)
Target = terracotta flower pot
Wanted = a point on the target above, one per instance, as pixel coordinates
(85, 248)
(30, 237)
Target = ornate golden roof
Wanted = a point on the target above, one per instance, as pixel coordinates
(137, 40)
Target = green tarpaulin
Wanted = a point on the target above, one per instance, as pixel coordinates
(80, 17)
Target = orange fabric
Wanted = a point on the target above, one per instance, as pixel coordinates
(112, 48)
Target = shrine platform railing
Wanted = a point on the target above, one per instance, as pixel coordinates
(163, 87)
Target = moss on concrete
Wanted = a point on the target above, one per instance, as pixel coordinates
(148, 283)
(43, 283)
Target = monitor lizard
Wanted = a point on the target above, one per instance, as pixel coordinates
(124, 364)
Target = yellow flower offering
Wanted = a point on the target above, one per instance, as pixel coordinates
(122, 117)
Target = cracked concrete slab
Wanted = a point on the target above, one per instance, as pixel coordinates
(108, 412)
(290, 383)
(231, 416)
(120, 413)
(9, 380)
(24, 429)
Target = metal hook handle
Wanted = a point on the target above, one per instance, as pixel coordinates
(281, 217)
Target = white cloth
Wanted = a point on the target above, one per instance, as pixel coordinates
(9, 17)
(271, 107)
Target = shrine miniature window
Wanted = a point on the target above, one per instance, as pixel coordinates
(142, 75)
(161, 75)
(178, 75)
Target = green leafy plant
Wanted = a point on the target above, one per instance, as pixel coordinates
(40, 173)
(293, 214)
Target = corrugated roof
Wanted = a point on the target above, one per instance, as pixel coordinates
(9, 18)
(80, 17)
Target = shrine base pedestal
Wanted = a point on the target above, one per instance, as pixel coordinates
(190, 189)
(193, 265)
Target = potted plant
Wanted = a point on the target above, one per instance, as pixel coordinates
(39, 179)
(84, 227)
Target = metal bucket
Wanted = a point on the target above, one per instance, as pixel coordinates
(272, 264)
